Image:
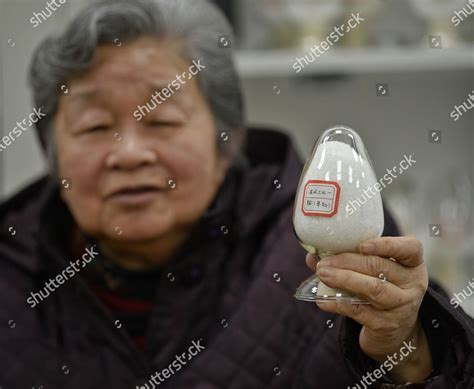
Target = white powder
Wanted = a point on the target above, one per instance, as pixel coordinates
(343, 232)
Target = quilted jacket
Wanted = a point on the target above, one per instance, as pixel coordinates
(226, 295)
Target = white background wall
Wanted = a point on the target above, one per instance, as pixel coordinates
(22, 160)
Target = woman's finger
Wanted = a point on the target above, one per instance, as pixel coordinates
(311, 261)
(407, 250)
(382, 294)
(363, 314)
(371, 265)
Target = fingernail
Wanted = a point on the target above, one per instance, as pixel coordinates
(325, 271)
(323, 262)
(367, 247)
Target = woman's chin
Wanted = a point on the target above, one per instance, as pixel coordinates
(136, 231)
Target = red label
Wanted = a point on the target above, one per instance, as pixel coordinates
(320, 198)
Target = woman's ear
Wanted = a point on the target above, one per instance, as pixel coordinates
(223, 164)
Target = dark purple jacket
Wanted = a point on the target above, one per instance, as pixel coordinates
(228, 292)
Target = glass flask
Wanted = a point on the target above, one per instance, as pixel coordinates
(337, 205)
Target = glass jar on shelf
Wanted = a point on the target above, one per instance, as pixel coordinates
(438, 15)
(313, 18)
(357, 35)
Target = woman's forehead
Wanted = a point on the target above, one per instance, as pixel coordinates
(137, 61)
(139, 68)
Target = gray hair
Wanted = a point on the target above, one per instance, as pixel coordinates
(197, 23)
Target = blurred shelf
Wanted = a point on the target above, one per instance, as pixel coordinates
(279, 63)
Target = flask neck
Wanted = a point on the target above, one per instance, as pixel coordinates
(325, 253)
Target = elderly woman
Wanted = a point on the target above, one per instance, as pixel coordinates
(160, 252)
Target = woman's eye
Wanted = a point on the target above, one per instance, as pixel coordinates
(163, 123)
(97, 128)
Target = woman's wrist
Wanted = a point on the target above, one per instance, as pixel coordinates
(417, 366)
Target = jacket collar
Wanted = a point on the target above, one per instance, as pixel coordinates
(270, 182)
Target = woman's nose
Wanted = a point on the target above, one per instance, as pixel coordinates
(130, 151)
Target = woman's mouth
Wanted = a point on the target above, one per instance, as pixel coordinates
(135, 196)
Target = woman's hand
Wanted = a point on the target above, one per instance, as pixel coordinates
(390, 273)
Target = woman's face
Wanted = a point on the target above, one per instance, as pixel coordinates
(130, 179)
